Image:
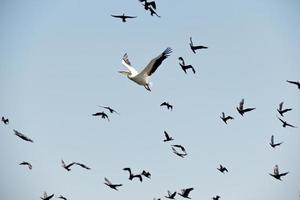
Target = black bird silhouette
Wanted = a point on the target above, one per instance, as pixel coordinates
(132, 176)
(146, 174)
(276, 173)
(169, 106)
(112, 186)
(241, 109)
(168, 138)
(152, 12)
(123, 17)
(82, 165)
(294, 82)
(185, 67)
(171, 195)
(148, 4)
(185, 193)
(5, 121)
(272, 142)
(222, 169)
(216, 197)
(182, 155)
(196, 47)
(46, 197)
(285, 124)
(180, 147)
(27, 164)
(67, 167)
(110, 109)
(281, 110)
(62, 197)
(22, 136)
(102, 114)
(225, 119)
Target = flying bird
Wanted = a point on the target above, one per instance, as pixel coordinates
(180, 147)
(169, 106)
(185, 67)
(241, 109)
(285, 124)
(146, 174)
(281, 111)
(216, 197)
(102, 114)
(109, 109)
(224, 118)
(196, 47)
(183, 152)
(22, 136)
(27, 164)
(274, 144)
(148, 4)
(294, 82)
(132, 176)
(142, 78)
(82, 165)
(222, 169)
(182, 155)
(276, 173)
(5, 121)
(62, 197)
(123, 17)
(171, 195)
(112, 186)
(185, 193)
(168, 138)
(46, 197)
(67, 167)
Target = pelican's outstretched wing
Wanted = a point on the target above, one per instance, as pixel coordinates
(127, 64)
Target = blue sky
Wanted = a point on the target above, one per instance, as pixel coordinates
(59, 59)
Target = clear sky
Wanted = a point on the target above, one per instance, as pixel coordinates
(59, 60)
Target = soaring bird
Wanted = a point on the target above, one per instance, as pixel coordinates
(112, 186)
(217, 197)
(22, 136)
(67, 167)
(294, 82)
(183, 152)
(146, 174)
(168, 138)
(182, 155)
(222, 169)
(148, 4)
(110, 109)
(196, 47)
(185, 193)
(281, 111)
(276, 173)
(26, 163)
(169, 106)
(102, 114)
(5, 121)
(274, 144)
(62, 197)
(142, 78)
(46, 197)
(180, 147)
(241, 109)
(185, 67)
(123, 17)
(225, 119)
(82, 165)
(171, 195)
(285, 124)
(132, 176)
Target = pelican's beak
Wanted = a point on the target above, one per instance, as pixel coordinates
(124, 72)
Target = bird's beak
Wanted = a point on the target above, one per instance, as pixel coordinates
(124, 72)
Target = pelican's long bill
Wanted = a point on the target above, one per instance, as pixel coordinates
(125, 73)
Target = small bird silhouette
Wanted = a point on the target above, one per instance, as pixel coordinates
(109, 109)
(294, 82)
(182, 155)
(185, 67)
(169, 106)
(27, 164)
(46, 197)
(168, 138)
(22, 136)
(281, 111)
(113, 186)
(196, 47)
(180, 147)
(241, 109)
(222, 169)
(5, 121)
(123, 17)
(272, 142)
(102, 114)
(185, 193)
(225, 119)
(67, 167)
(276, 173)
(132, 176)
(285, 124)
(62, 197)
(146, 174)
(217, 197)
(171, 195)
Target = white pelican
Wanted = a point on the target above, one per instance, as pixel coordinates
(142, 78)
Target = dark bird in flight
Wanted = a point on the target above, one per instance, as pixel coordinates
(216, 197)
(196, 47)
(5, 121)
(295, 82)
(274, 144)
(102, 114)
(22, 136)
(132, 176)
(285, 124)
(175, 151)
(26, 163)
(168, 138)
(67, 167)
(123, 17)
(185, 193)
(82, 165)
(46, 197)
(281, 110)
(169, 106)
(171, 195)
(276, 173)
(225, 119)
(112, 186)
(62, 197)
(146, 174)
(182, 155)
(185, 67)
(180, 147)
(222, 169)
(149, 4)
(110, 109)
(241, 109)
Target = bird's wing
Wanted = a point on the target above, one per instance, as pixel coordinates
(276, 170)
(127, 64)
(107, 181)
(272, 139)
(188, 190)
(164, 104)
(166, 134)
(283, 174)
(280, 106)
(130, 16)
(117, 16)
(281, 120)
(191, 41)
(200, 47)
(155, 63)
(69, 165)
(153, 4)
(223, 114)
(241, 104)
(293, 82)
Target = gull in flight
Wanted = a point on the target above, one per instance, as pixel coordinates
(241, 108)
(224, 118)
(112, 186)
(123, 17)
(281, 111)
(26, 163)
(285, 124)
(196, 47)
(276, 173)
(273, 144)
(142, 78)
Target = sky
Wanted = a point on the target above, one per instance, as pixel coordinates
(59, 60)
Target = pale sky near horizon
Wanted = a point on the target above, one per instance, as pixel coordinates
(59, 60)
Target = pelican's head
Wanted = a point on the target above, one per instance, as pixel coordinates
(126, 73)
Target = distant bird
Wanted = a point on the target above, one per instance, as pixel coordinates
(182, 155)
(225, 119)
(294, 82)
(281, 111)
(216, 197)
(142, 78)
(46, 197)
(132, 176)
(222, 169)
(123, 17)
(168, 138)
(148, 4)
(241, 109)
(102, 114)
(113, 186)
(146, 174)
(185, 67)
(62, 197)
(26, 163)
(169, 106)
(276, 173)
(22, 136)
(180, 147)
(67, 167)
(82, 165)
(272, 142)
(110, 109)
(196, 47)
(285, 124)
(171, 195)
(5, 121)
(185, 193)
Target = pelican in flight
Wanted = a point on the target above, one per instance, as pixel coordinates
(142, 78)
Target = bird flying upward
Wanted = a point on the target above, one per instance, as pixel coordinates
(167, 137)
(111, 185)
(225, 119)
(274, 144)
(281, 111)
(123, 17)
(241, 108)
(276, 173)
(194, 48)
(185, 67)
